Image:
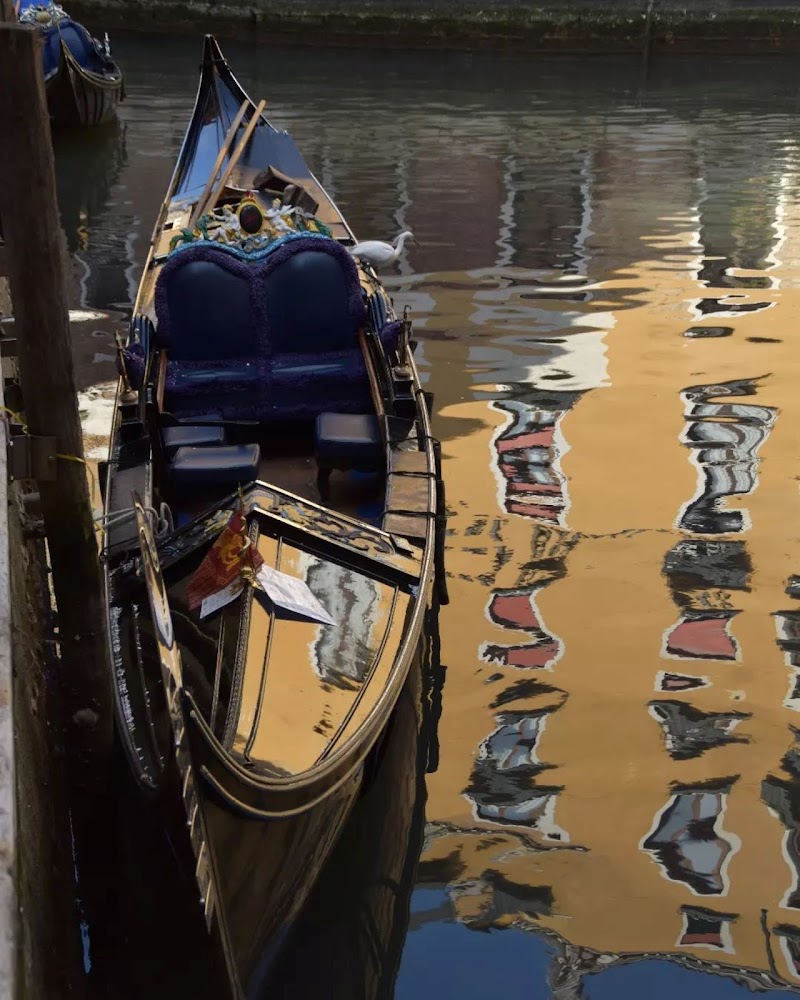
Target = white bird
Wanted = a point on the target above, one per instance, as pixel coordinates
(378, 254)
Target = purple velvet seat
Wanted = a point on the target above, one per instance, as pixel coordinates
(314, 309)
(209, 320)
(268, 337)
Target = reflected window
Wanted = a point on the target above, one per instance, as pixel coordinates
(706, 929)
(513, 743)
(516, 609)
(536, 811)
(787, 626)
(666, 681)
(528, 454)
(702, 635)
(782, 798)
(533, 656)
(702, 564)
(503, 783)
(724, 439)
(688, 842)
(688, 732)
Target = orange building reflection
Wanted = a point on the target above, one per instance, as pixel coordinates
(615, 714)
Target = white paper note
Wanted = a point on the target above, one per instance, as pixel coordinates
(222, 597)
(292, 594)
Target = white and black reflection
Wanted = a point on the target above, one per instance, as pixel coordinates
(789, 942)
(343, 654)
(724, 439)
(503, 786)
(688, 732)
(528, 451)
(688, 841)
(787, 626)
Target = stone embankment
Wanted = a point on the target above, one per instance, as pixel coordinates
(731, 27)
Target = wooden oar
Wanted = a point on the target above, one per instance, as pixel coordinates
(237, 153)
(223, 150)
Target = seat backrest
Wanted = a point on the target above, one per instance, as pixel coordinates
(205, 306)
(312, 298)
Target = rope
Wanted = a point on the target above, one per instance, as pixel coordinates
(17, 417)
(161, 519)
(90, 471)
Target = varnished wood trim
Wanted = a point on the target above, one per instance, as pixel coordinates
(264, 666)
(235, 700)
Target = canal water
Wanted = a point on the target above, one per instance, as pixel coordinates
(604, 801)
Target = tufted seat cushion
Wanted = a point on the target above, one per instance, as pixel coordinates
(184, 435)
(348, 440)
(214, 467)
(207, 307)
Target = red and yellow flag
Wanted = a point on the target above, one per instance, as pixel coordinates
(231, 555)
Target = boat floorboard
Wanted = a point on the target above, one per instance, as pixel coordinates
(355, 494)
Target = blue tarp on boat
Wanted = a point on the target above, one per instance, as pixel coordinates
(55, 26)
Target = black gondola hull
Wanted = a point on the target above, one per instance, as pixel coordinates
(78, 97)
(263, 870)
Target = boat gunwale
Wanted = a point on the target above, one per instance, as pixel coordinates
(98, 80)
(389, 568)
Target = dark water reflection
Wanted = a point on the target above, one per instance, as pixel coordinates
(606, 296)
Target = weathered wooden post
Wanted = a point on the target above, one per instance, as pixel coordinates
(31, 229)
(7, 10)
(41, 319)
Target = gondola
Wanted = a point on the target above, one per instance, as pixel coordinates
(83, 83)
(273, 522)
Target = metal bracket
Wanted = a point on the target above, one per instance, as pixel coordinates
(8, 347)
(31, 457)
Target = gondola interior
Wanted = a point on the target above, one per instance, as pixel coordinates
(272, 438)
(263, 352)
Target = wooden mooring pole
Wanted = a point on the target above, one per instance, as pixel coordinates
(35, 246)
